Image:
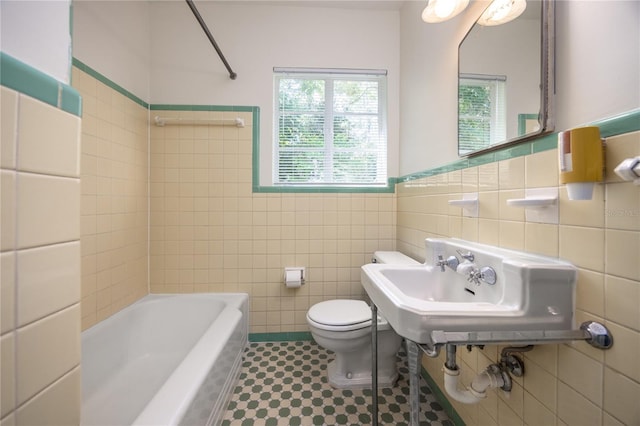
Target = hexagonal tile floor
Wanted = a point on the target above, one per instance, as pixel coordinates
(285, 383)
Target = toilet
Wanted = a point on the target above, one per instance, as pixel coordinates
(344, 327)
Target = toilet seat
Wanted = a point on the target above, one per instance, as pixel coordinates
(341, 315)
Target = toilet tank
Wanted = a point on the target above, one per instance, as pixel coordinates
(393, 258)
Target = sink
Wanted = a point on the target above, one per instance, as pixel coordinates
(516, 291)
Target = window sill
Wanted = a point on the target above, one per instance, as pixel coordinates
(316, 189)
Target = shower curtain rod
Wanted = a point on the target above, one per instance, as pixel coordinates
(192, 6)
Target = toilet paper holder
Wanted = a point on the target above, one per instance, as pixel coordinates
(294, 276)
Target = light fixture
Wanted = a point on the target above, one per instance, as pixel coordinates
(502, 11)
(441, 10)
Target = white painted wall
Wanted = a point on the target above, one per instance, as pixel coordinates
(37, 34)
(597, 69)
(429, 87)
(597, 60)
(113, 38)
(255, 37)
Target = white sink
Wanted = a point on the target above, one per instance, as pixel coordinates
(530, 292)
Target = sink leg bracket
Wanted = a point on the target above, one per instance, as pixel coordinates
(594, 333)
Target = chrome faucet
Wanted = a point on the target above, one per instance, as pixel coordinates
(466, 256)
(485, 274)
(451, 261)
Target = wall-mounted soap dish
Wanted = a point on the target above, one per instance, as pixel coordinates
(540, 204)
(532, 203)
(469, 204)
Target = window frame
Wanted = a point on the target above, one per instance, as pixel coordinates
(330, 76)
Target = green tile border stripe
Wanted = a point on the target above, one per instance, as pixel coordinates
(101, 78)
(23, 78)
(280, 337)
(612, 126)
(177, 107)
(389, 188)
(442, 399)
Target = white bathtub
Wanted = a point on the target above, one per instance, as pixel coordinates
(164, 360)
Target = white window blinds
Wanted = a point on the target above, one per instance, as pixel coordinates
(482, 111)
(330, 127)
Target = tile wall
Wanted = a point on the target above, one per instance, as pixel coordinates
(114, 203)
(211, 233)
(40, 263)
(571, 384)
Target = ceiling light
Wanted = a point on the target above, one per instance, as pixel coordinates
(502, 11)
(441, 10)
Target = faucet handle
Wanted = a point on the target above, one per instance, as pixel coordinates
(451, 261)
(488, 275)
(467, 256)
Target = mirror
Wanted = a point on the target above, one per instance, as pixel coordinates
(505, 81)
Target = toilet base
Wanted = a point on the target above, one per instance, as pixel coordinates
(386, 379)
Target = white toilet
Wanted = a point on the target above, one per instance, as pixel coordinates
(344, 327)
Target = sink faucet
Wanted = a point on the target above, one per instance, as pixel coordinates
(486, 274)
(451, 261)
(466, 256)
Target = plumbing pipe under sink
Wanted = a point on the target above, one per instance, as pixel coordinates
(478, 389)
(492, 377)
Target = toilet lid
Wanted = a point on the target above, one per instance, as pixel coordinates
(341, 312)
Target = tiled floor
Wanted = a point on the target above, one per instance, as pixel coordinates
(285, 383)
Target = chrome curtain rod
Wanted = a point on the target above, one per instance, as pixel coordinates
(192, 6)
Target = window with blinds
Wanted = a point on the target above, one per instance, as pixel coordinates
(482, 111)
(330, 127)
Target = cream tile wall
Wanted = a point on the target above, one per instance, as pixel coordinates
(40, 263)
(211, 233)
(570, 384)
(114, 202)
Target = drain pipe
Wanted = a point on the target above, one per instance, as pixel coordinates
(492, 377)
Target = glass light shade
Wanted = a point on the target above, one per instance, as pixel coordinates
(441, 10)
(502, 11)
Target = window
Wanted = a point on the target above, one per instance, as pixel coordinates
(482, 111)
(330, 128)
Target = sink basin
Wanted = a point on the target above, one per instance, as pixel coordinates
(530, 292)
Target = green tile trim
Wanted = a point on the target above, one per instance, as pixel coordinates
(444, 401)
(101, 78)
(27, 80)
(620, 124)
(612, 126)
(522, 122)
(389, 188)
(175, 107)
(280, 337)
(70, 100)
(487, 158)
(460, 164)
(545, 143)
(514, 152)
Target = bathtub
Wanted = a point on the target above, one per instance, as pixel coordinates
(164, 360)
